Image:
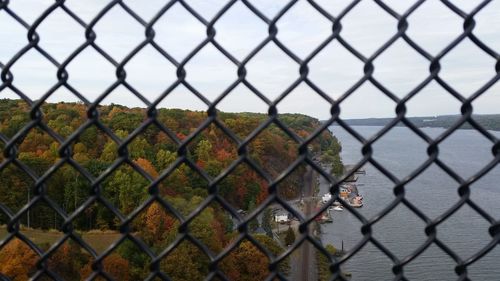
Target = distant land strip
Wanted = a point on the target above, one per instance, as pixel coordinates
(488, 121)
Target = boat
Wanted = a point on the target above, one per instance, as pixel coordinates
(326, 218)
(338, 208)
(360, 171)
(352, 178)
(356, 204)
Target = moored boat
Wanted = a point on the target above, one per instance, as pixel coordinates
(338, 208)
(356, 204)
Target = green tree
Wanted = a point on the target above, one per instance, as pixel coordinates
(323, 263)
(337, 166)
(137, 259)
(289, 236)
(109, 153)
(252, 224)
(140, 148)
(186, 262)
(203, 151)
(266, 222)
(67, 260)
(130, 188)
(164, 159)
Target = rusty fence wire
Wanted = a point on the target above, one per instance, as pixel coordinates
(8, 80)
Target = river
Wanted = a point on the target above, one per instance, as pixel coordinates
(433, 192)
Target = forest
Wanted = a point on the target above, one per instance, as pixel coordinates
(154, 152)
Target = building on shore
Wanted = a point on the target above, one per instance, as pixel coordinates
(326, 197)
(282, 218)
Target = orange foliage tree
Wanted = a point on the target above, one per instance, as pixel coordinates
(157, 223)
(68, 260)
(246, 263)
(114, 265)
(147, 167)
(17, 260)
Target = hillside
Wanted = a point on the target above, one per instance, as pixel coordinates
(154, 152)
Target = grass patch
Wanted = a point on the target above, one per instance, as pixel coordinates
(98, 240)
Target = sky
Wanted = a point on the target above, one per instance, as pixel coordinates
(271, 71)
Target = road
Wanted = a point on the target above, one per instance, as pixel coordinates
(303, 260)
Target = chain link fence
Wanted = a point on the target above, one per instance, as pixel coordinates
(304, 157)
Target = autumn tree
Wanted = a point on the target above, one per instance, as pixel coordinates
(157, 225)
(67, 261)
(194, 263)
(146, 166)
(246, 263)
(114, 265)
(17, 260)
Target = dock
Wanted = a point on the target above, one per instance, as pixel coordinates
(352, 178)
(350, 167)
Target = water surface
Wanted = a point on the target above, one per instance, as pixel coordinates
(433, 192)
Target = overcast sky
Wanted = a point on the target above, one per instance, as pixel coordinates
(271, 71)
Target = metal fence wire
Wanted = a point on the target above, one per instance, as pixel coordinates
(36, 121)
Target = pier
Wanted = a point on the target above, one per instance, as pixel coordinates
(350, 167)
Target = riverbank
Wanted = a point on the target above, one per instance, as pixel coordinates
(349, 193)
